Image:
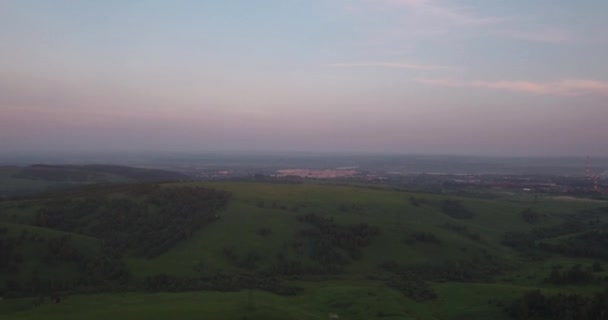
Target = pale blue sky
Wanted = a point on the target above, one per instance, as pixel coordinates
(401, 76)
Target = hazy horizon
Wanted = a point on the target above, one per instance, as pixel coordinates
(279, 153)
(413, 77)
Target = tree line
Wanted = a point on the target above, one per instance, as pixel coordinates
(536, 305)
(147, 225)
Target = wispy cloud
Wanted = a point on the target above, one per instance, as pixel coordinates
(393, 65)
(548, 35)
(572, 87)
(429, 18)
(436, 10)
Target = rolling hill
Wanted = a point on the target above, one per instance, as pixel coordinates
(234, 250)
(39, 178)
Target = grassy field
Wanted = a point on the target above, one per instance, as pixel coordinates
(352, 294)
(389, 210)
(349, 301)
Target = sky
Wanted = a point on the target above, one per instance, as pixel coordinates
(479, 77)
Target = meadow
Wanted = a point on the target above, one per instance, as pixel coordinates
(316, 250)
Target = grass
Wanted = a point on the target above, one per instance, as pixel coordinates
(351, 295)
(348, 301)
(389, 210)
(364, 300)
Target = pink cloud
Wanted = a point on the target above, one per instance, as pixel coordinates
(559, 88)
(395, 65)
(597, 87)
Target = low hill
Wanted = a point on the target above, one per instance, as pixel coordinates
(97, 172)
(295, 250)
(17, 181)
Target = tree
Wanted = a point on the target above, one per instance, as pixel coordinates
(530, 216)
(249, 281)
(597, 267)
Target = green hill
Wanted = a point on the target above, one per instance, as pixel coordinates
(233, 250)
(20, 181)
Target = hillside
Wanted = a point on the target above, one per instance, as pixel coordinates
(19, 181)
(293, 250)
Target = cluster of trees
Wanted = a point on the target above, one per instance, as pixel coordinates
(456, 210)
(286, 267)
(521, 241)
(146, 226)
(331, 244)
(264, 232)
(87, 268)
(248, 261)
(588, 241)
(536, 305)
(590, 244)
(530, 216)
(284, 207)
(412, 287)
(410, 279)
(281, 266)
(351, 207)
(97, 275)
(527, 241)
(474, 269)
(48, 249)
(143, 220)
(575, 275)
(571, 224)
(60, 250)
(477, 268)
(38, 286)
(10, 255)
(407, 282)
(422, 237)
(416, 202)
(217, 282)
